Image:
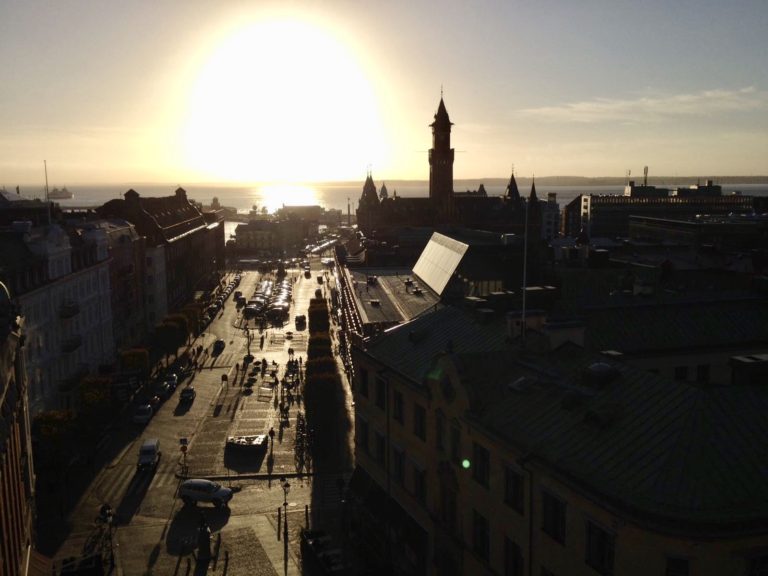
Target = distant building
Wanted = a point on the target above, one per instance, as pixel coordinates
(380, 215)
(17, 208)
(735, 232)
(550, 218)
(608, 215)
(288, 230)
(257, 237)
(184, 247)
(708, 189)
(17, 475)
(474, 456)
(644, 190)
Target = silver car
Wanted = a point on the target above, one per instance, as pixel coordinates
(201, 490)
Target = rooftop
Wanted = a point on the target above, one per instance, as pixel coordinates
(388, 295)
(669, 452)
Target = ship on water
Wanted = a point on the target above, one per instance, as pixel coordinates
(60, 194)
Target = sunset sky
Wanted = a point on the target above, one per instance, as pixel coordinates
(172, 91)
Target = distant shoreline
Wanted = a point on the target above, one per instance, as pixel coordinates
(459, 182)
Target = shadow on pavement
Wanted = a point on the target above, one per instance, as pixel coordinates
(182, 536)
(59, 491)
(182, 408)
(134, 495)
(244, 460)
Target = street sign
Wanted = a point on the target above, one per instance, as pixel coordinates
(183, 447)
(183, 441)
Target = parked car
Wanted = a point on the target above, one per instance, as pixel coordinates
(149, 454)
(164, 390)
(187, 394)
(218, 346)
(143, 414)
(201, 490)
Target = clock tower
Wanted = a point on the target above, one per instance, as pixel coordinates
(441, 165)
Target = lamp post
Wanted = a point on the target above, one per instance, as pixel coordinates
(286, 488)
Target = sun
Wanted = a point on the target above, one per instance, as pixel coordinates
(282, 100)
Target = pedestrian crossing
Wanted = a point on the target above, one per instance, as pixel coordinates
(124, 483)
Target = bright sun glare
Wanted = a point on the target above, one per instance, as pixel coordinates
(282, 101)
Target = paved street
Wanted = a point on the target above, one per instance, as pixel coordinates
(154, 532)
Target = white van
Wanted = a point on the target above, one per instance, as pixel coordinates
(149, 454)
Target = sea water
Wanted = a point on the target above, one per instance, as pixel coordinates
(339, 196)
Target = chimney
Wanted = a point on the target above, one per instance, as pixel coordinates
(534, 320)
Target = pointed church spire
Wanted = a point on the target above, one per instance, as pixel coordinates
(512, 192)
(369, 195)
(533, 198)
(383, 193)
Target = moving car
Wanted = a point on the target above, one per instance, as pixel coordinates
(201, 490)
(149, 454)
(218, 346)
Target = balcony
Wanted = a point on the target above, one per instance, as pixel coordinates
(71, 344)
(69, 309)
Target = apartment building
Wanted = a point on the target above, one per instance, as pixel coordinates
(17, 479)
(476, 455)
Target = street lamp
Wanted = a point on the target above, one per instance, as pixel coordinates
(286, 488)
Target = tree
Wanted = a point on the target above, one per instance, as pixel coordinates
(318, 316)
(169, 337)
(135, 359)
(52, 434)
(193, 313)
(95, 407)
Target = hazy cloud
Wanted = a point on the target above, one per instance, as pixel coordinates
(653, 108)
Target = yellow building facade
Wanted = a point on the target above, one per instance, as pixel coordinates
(510, 463)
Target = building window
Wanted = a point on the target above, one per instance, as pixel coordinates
(420, 484)
(702, 373)
(398, 408)
(398, 465)
(380, 448)
(513, 558)
(480, 535)
(381, 392)
(681, 372)
(455, 445)
(677, 567)
(364, 382)
(600, 546)
(420, 421)
(440, 431)
(362, 435)
(481, 464)
(513, 489)
(553, 516)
